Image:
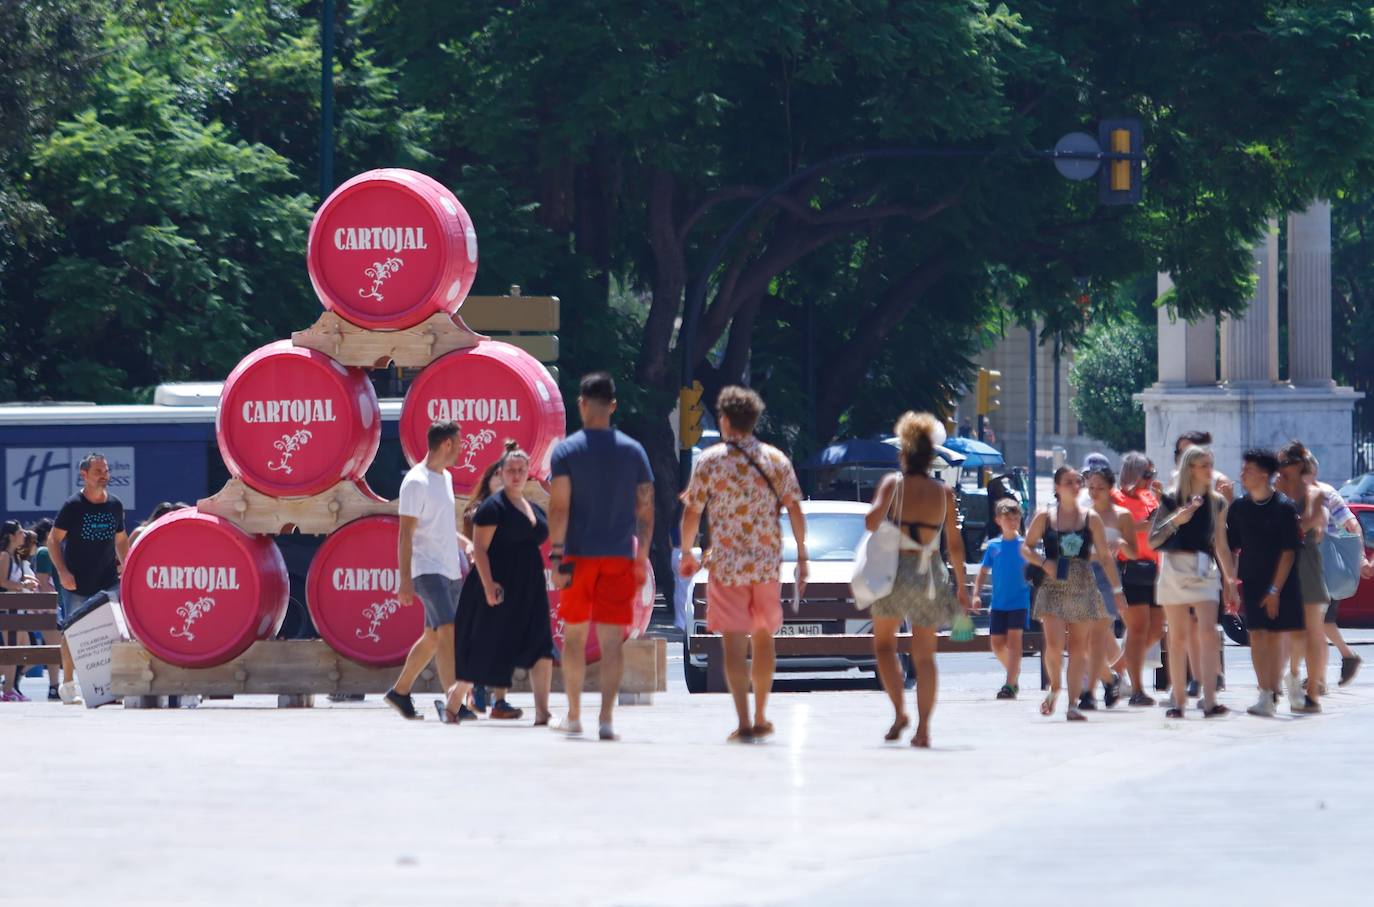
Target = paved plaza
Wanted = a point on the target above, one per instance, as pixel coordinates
(241, 803)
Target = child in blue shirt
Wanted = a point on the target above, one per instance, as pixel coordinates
(1010, 593)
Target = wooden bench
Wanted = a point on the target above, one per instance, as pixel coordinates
(22, 613)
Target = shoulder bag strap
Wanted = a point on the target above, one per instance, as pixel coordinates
(754, 463)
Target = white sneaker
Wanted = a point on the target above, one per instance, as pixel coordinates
(1127, 688)
(1296, 697)
(69, 692)
(1264, 706)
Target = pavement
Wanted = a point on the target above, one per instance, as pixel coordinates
(241, 803)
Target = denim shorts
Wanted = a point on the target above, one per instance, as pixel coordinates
(439, 595)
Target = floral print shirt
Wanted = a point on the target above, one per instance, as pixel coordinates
(746, 538)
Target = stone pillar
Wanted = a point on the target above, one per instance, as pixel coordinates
(1309, 295)
(1250, 341)
(1187, 350)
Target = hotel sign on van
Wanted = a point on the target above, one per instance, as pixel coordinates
(39, 479)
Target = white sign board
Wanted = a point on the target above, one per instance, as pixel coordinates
(39, 479)
(91, 640)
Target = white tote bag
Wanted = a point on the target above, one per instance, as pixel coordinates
(875, 561)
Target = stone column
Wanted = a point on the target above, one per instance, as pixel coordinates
(1187, 350)
(1309, 295)
(1250, 341)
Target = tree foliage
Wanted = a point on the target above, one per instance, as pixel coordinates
(1114, 362)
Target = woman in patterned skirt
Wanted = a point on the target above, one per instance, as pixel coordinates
(1067, 599)
(924, 509)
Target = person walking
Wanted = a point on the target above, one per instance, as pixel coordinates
(503, 620)
(1121, 542)
(429, 560)
(922, 595)
(1004, 561)
(1265, 526)
(1068, 600)
(1340, 519)
(1195, 565)
(488, 485)
(601, 521)
(745, 484)
(88, 544)
(1294, 480)
(1143, 616)
(1226, 488)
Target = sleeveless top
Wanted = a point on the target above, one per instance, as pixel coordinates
(1194, 535)
(1067, 542)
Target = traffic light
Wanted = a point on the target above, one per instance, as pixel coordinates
(689, 415)
(1119, 182)
(989, 391)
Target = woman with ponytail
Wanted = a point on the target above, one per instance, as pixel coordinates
(503, 618)
(923, 594)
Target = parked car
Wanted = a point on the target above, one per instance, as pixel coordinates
(1356, 611)
(1359, 490)
(833, 531)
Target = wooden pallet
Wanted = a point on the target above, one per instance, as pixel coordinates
(300, 668)
(320, 514)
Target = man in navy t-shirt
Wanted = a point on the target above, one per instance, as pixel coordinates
(601, 518)
(1010, 593)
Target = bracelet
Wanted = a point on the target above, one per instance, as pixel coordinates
(1273, 590)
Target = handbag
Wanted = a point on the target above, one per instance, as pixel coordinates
(875, 559)
(1139, 573)
(1342, 556)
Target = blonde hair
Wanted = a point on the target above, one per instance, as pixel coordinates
(1183, 489)
(917, 433)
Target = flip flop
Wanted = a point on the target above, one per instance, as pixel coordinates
(1074, 715)
(894, 733)
(445, 716)
(1047, 707)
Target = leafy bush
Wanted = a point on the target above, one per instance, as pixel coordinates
(1112, 363)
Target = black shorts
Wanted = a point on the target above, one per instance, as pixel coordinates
(999, 622)
(1290, 616)
(1138, 582)
(1140, 595)
(1332, 611)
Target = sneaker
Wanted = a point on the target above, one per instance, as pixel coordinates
(1074, 715)
(504, 711)
(1174, 712)
(1127, 688)
(1216, 711)
(9, 696)
(1087, 703)
(1140, 699)
(52, 694)
(1007, 692)
(402, 704)
(466, 714)
(1111, 692)
(1349, 668)
(1264, 706)
(1193, 689)
(1310, 706)
(1296, 697)
(606, 732)
(69, 693)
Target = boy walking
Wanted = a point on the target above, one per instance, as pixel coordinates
(1267, 529)
(1003, 560)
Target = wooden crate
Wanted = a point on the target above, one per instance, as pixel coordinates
(301, 667)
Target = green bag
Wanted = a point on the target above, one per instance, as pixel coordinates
(962, 628)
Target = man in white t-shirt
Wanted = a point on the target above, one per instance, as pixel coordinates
(430, 552)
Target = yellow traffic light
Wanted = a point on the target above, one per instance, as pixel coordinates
(988, 397)
(690, 413)
(1119, 181)
(1121, 170)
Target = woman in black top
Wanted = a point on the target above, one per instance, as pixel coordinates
(1189, 532)
(503, 620)
(1067, 598)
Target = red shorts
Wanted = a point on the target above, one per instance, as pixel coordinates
(744, 609)
(603, 590)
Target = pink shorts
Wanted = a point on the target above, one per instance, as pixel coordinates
(744, 609)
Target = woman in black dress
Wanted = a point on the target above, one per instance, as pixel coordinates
(503, 616)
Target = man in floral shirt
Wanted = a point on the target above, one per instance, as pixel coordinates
(745, 483)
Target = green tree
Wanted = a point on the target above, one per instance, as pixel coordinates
(1112, 363)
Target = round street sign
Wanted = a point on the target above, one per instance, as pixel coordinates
(1077, 168)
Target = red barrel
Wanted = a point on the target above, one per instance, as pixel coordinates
(351, 593)
(389, 248)
(292, 421)
(198, 591)
(494, 391)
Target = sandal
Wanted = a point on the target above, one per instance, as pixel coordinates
(445, 716)
(1216, 711)
(1074, 715)
(1174, 712)
(1047, 707)
(763, 730)
(741, 735)
(895, 732)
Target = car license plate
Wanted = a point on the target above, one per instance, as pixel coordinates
(801, 630)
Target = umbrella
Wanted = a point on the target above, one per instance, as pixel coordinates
(854, 452)
(976, 453)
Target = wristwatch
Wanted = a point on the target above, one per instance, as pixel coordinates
(1273, 590)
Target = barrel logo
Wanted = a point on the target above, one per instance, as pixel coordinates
(468, 409)
(376, 614)
(199, 579)
(379, 239)
(190, 613)
(365, 579)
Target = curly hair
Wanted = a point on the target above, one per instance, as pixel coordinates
(918, 434)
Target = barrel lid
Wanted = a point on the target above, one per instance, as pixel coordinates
(192, 588)
(292, 421)
(351, 592)
(391, 247)
(492, 397)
